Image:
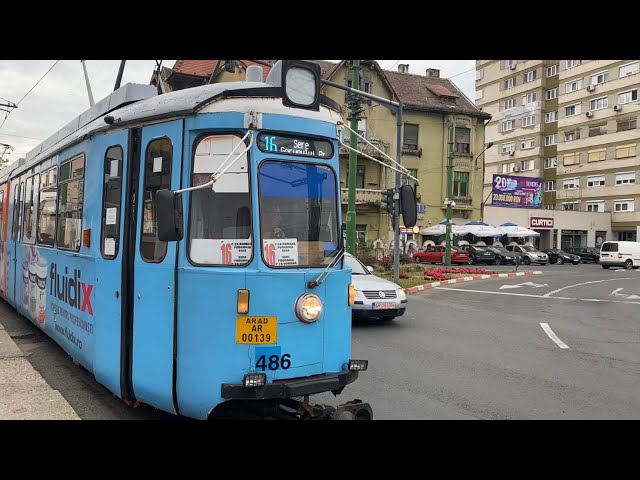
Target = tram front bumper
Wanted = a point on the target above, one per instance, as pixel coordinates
(334, 382)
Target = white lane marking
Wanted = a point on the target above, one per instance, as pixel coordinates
(624, 295)
(585, 283)
(501, 293)
(534, 296)
(553, 336)
(615, 292)
(527, 284)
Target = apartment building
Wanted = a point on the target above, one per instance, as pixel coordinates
(573, 124)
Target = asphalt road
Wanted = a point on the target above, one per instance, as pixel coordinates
(478, 349)
(474, 350)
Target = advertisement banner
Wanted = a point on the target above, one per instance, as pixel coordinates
(519, 192)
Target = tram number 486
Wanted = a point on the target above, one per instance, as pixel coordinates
(274, 362)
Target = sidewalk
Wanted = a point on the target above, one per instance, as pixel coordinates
(24, 394)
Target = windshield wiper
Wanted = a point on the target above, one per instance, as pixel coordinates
(320, 278)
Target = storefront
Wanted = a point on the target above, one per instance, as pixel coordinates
(557, 228)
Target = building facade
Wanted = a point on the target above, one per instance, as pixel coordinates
(572, 123)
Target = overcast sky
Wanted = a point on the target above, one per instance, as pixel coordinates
(62, 94)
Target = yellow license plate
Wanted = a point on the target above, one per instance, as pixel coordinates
(256, 330)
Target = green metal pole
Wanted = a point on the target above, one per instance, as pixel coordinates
(447, 255)
(353, 159)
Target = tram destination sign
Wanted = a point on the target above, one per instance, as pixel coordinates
(295, 145)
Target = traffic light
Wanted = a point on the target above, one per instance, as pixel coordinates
(389, 200)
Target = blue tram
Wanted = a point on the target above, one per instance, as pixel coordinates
(226, 288)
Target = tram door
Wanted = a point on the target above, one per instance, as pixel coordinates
(154, 289)
(15, 271)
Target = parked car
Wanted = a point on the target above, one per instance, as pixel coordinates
(375, 297)
(504, 256)
(620, 254)
(479, 254)
(529, 254)
(586, 254)
(435, 254)
(560, 256)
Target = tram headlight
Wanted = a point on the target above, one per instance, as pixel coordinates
(308, 308)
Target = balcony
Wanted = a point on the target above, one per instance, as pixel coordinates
(630, 218)
(363, 196)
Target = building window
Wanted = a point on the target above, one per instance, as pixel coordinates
(47, 207)
(573, 86)
(70, 202)
(509, 104)
(550, 140)
(528, 143)
(570, 183)
(552, 71)
(627, 97)
(551, 94)
(550, 162)
(596, 181)
(526, 165)
(361, 233)
(463, 140)
(479, 93)
(508, 125)
(510, 83)
(572, 110)
(362, 128)
(595, 206)
(625, 178)
(508, 167)
(574, 206)
(529, 76)
(627, 124)
(529, 121)
(629, 69)
(360, 176)
(551, 117)
(410, 136)
(573, 63)
(529, 98)
(508, 147)
(624, 205)
(599, 103)
(597, 155)
(572, 135)
(549, 206)
(460, 184)
(595, 130)
(627, 236)
(624, 151)
(479, 74)
(571, 159)
(550, 186)
(598, 78)
(510, 63)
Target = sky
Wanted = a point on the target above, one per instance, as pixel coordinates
(61, 95)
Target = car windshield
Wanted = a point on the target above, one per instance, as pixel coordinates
(501, 250)
(357, 267)
(528, 248)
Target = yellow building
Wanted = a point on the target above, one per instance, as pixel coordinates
(431, 104)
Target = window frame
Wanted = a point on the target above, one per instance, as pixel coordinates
(47, 171)
(59, 196)
(103, 210)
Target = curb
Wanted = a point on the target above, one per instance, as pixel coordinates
(427, 286)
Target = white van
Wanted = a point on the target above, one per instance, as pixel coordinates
(620, 254)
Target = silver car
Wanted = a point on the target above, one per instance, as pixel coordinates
(529, 254)
(375, 297)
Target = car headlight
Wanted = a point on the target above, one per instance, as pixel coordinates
(308, 308)
(401, 294)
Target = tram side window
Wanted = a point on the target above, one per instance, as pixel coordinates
(157, 176)
(16, 213)
(29, 217)
(220, 219)
(112, 198)
(47, 207)
(70, 201)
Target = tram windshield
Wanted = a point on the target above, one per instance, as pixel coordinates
(299, 214)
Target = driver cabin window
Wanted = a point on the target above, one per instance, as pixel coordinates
(220, 216)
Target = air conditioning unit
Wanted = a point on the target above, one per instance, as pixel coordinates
(516, 169)
(591, 88)
(512, 67)
(617, 108)
(589, 114)
(512, 153)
